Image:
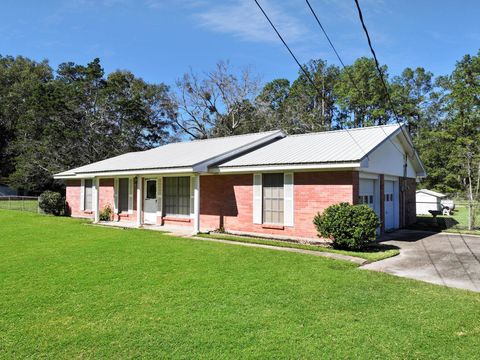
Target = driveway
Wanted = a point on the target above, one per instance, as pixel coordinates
(444, 259)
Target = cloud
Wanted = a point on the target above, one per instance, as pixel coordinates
(243, 19)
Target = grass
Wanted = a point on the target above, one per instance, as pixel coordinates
(457, 223)
(374, 252)
(24, 205)
(70, 290)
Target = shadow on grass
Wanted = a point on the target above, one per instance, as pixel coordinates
(434, 224)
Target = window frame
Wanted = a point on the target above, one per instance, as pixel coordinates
(178, 199)
(277, 210)
(85, 195)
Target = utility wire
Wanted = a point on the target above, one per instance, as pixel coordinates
(345, 67)
(301, 67)
(380, 72)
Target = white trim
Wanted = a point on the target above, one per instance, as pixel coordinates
(159, 196)
(95, 200)
(127, 173)
(192, 197)
(130, 195)
(139, 201)
(280, 168)
(390, 178)
(82, 194)
(288, 199)
(196, 204)
(257, 199)
(115, 195)
(371, 176)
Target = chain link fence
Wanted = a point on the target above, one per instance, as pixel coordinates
(22, 203)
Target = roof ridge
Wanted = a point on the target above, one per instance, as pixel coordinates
(344, 130)
(220, 137)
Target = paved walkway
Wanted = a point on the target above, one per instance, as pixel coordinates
(353, 259)
(444, 259)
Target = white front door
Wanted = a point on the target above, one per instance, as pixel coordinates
(389, 205)
(150, 202)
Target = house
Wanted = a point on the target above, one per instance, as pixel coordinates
(265, 183)
(428, 200)
(5, 190)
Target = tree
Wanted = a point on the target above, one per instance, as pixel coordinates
(361, 96)
(218, 104)
(81, 116)
(311, 108)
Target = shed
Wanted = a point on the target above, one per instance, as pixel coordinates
(428, 200)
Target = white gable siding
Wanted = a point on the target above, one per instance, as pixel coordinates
(386, 159)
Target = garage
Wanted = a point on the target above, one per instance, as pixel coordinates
(368, 190)
(391, 204)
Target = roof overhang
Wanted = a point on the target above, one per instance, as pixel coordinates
(158, 171)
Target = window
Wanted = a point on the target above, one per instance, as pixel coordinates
(123, 195)
(176, 195)
(87, 201)
(273, 198)
(151, 189)
(366, 199)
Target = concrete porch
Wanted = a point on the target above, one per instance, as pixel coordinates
(170, 229)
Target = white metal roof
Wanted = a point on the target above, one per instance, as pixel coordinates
(185, 155)
(431, 192)
(316, 148)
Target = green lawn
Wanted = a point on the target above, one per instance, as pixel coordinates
(458, 222)
(71, 290)
(374, 252)
(24, 205)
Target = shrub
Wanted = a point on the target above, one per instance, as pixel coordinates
(51, 202)
(348, 226)
(106, 213)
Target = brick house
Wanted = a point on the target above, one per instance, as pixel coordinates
(265, 183)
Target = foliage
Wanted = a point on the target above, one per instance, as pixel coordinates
(52, 203)
(73, 116)
(373, 252)
(218, 104)
(95, 292)
(348, 226)
(106, 213)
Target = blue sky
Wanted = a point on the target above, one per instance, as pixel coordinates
(159, 40)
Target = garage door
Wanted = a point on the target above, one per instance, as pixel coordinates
(389, 205)
(367, 192)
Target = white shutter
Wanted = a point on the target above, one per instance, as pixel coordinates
(288, 199)
(192, 195)
(115, 195)
(130, 195)
(159, 196)
(257, 198)
(82, 194)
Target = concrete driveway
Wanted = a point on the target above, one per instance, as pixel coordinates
(443, 259)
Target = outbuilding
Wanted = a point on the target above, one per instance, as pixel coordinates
(428, 200)
(261, 184)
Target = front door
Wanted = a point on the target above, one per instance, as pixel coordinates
(150, 202)
(389, 205)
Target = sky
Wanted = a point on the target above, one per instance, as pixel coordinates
(159, 40)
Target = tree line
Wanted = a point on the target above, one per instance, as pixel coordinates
(53, 120)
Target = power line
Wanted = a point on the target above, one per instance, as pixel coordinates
(345, 67)
(301, 67)
(380, 72)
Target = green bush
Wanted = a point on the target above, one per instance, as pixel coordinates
(52, 202)
(106, 213)
(348, 226)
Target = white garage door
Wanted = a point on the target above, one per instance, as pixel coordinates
(367, 193)
(389, 205)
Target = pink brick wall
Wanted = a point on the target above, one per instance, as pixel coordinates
(226, 201)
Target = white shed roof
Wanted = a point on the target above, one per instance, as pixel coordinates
(185, 155)
(314, 148)
(431, 192)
